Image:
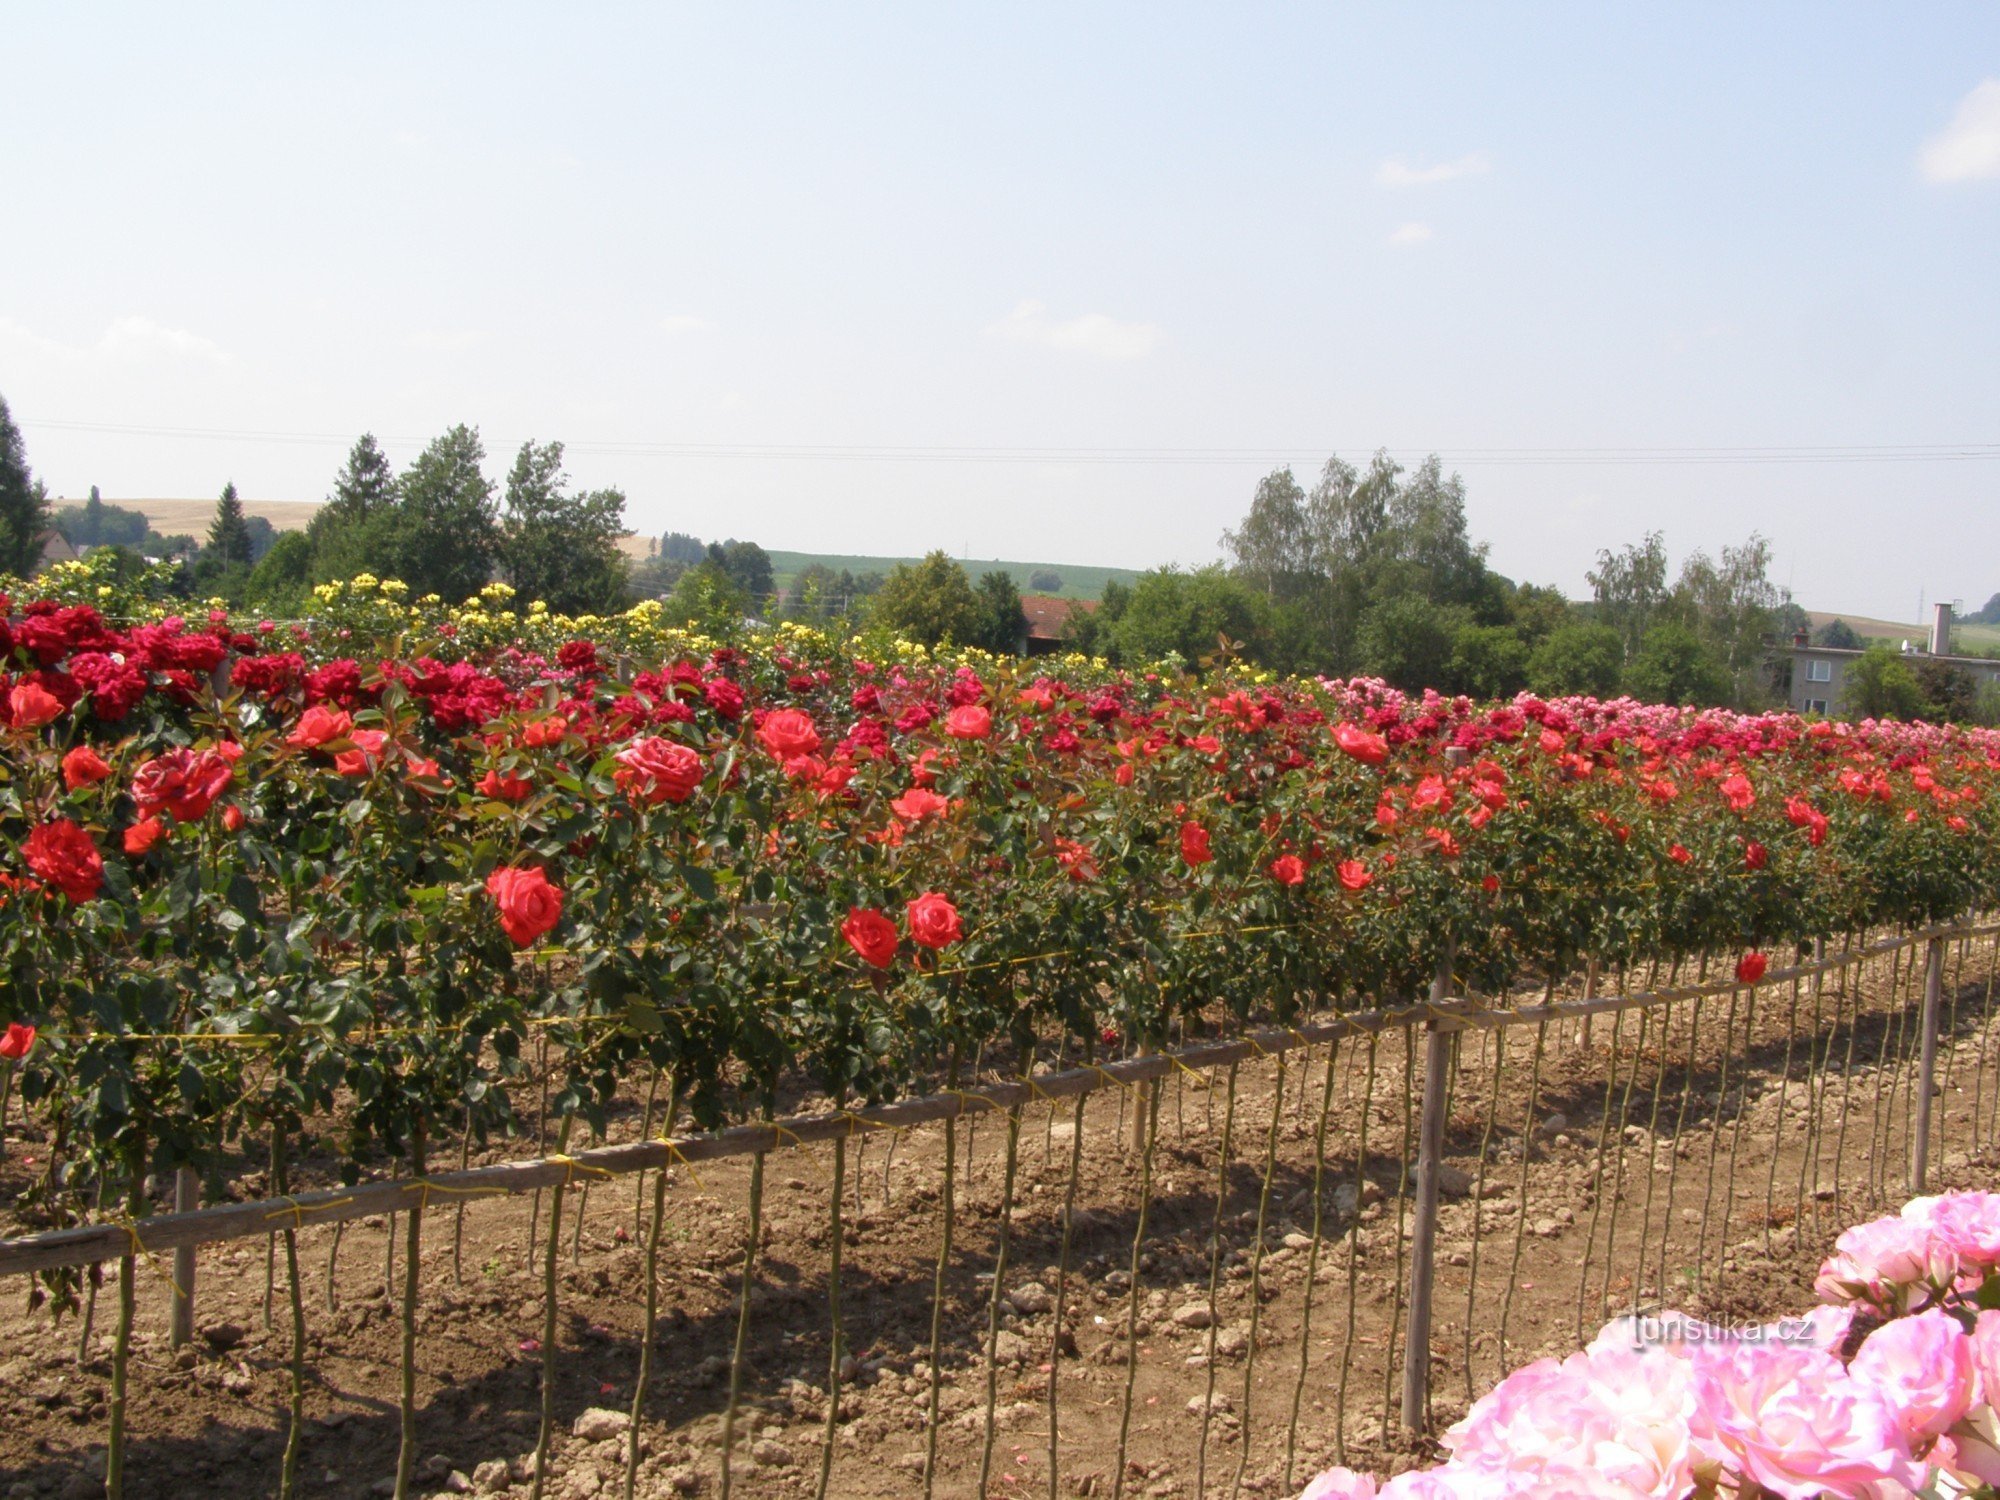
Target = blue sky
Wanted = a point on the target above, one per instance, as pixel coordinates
(1190, 244)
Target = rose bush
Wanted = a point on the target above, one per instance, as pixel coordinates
(385, 853)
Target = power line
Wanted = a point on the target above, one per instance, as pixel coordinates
(1485, 457)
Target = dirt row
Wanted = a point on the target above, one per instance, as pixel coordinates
(1628, 1179)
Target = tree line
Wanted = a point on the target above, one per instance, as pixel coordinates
(1372, 571)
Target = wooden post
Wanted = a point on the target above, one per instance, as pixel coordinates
(187, 1197)
(1920, 1152)
(1423, 1241)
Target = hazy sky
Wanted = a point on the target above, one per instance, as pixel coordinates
(846, 278)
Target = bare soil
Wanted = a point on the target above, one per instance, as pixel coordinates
(1748, 1158)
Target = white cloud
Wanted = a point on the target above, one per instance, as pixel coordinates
(1969, 147)
(1411, 234)
(1398, 173)
(682, 323)
(1093, 333)
(125, 341)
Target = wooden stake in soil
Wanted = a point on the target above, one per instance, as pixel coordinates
(128, 1265)
(1257, 1275)
(549, 1329)
(937, 1294)
(835, 1338)
(406, 1454)
(1354, 1254)
(1423, 1247)
(1521, 1196)
(288, 1475)
(736, 1360)
(1920, 1154)
(644, 1382)
(1312, 1263)
(180, 1323)
(1215, 1279)
(999, 1293)
(1478, 1198)
(1062, 1286)
(1149, 1108)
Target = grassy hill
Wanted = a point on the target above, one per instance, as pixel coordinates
(1967, 638)
(1079, 582)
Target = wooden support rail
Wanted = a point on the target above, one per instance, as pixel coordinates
(87, 1244)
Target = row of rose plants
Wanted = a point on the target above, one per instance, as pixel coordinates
(1889, 1388)
(348, 874)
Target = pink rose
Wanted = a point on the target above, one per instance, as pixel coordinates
(1922, 1367)
(1795, 1422)
(1340, 1484)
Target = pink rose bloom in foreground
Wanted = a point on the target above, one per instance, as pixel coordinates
(1887, 1262)
(1922, 1367)
(1971, 1450)
(1340, 1484)
(1622, 1414)
(1965, 1232)
(1795, 1422)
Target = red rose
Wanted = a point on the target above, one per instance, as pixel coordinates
(545, 732)
(1737, 792)
(503, 787)
(725, 697)
(1288, 869)
(83, 767)
(143, 834)
(1194, 844)
(654, 770)
(529, 905)
(1369, 749)
(969, 722)
(31, 705)
(232, 817)
(1750, 967)
(917, 804)
(63, 855)
(1447, 845)
(1755, 855)
(788, 734)
(1354, 874)
(1679, 855)
(317, 726)
(182, 782)
(933, 921)
(871, 935)
(18, 1042)
(366, 753)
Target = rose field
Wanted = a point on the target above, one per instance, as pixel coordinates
(399, 893)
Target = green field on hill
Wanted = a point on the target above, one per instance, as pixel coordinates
(1079, 582)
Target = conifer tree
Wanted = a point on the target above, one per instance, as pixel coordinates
(229, 535)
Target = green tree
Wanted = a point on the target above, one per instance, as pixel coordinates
(1838, 633)
(1203, 616)
(1577, 659)
(96, 524)
(1879, 684)
(280, 581)
(930, 602)
(708, 599)
(1488, 661)
(1323, 559)
(24, 503)
(1045, 581)
(654, 577)
(353, 532)
(678, 546)
(1673, 666)
(1990, 614)
(1005, 627)
(1950, 694)
(559, 547)
(229, 534)
(1407, 641)
(443, 535)
(1733, 606)
(1630, 585)
(749, 565)
(1537, 610)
